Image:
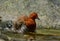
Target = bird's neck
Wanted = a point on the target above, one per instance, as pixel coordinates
(32, 19)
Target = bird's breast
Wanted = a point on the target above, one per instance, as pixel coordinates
(31, 25)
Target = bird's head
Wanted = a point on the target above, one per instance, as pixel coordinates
(34, 15)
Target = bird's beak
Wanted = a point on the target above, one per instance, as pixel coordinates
(38, 18)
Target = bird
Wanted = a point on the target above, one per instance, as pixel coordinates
(30, 22)
(27, 24)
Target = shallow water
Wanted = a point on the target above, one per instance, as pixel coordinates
(38, 38)
(48, 38)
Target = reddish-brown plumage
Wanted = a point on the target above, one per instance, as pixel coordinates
(31, 25)
(33, 15)
(28, 21)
